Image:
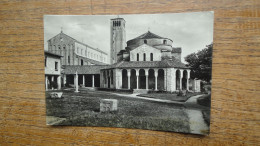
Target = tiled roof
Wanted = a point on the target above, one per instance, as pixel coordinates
(85, 69)
(149, 64)
(176, 50)
(148, 35)
(92, 61)
(52, 54)
(79, 42)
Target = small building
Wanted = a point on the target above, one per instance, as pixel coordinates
(52, 70)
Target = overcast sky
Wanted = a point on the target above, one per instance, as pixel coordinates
(190, 31)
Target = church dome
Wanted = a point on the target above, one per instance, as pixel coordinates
(151, 39)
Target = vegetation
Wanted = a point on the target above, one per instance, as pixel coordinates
(82, 109)
(201, 63)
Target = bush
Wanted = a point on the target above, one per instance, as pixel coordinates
(204, 100)
(182, 93)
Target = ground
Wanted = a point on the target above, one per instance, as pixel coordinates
(169, 96)
(82, 109)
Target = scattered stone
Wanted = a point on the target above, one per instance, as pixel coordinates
(56, 94)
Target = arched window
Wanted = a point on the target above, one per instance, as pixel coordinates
(151, 56)
(164, 41)
(145, 41)
(137, 57)
(68, 59)
(81, 62)
(144, 57)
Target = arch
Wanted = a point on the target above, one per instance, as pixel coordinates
(164, 42)
(137, 57)
(151, 79)
(145, 41)
(144, 57)
(133, 79)
(124, 79)
(160, 79)
(81, 62)
(178, 75)
(142, 79)
(184, 79)
(151, 56)
(112, 77)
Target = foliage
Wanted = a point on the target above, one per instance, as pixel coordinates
(201, 63)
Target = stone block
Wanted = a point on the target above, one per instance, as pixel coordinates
(107, 105)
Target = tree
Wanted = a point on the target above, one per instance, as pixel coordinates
(201, 63)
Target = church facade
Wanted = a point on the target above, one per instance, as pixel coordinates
(75, 52)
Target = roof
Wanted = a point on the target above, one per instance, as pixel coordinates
(148, 35)
(79, 42)
(92, 61)
(117, 18)
(85, 69)
(150, 64)
(52, 54)
(176, 50)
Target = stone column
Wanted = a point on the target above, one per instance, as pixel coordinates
(128, 77)
(146, 75)
(181, 76)
(188, 78)
(52, 80)
(83, 80)
(93, 81)
(156, 75)
(46, 83)
(174, 79)
(76, 82)
(59, 82)
(137, 78)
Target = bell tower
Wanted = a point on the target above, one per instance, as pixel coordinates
(117, 38)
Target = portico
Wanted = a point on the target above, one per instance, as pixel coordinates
(148, 78)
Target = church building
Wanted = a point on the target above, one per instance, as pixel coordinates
(147, 62)
(75, 52)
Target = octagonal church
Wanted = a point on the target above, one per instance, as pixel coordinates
(147, 62)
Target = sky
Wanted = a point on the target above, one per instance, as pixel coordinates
(190, 31)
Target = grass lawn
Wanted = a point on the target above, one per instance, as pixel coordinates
(82, 109)
(169, 96)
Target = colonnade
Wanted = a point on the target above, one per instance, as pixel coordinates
(48, 82)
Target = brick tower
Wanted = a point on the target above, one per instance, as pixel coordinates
(117, 38)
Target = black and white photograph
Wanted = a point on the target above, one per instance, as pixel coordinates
(139, 71)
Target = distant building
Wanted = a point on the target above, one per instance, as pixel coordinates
(75, 52)
(52, 70)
